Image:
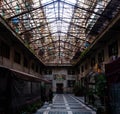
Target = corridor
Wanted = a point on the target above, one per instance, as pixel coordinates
(65, 104)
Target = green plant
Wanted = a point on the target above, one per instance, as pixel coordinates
(31, 108)
(90, 91)
(101, 87)
(90, 96)
(78, 89)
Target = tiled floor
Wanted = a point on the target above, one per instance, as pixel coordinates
(65, 104)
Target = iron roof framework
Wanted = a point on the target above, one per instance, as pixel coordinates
(57, 29)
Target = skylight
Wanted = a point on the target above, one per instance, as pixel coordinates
(58, 13)
(58, 29)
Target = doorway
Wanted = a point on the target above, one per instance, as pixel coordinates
(59, 88)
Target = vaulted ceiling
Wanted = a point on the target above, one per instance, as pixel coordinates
(57, 30)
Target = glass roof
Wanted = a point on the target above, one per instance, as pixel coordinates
(56, 30)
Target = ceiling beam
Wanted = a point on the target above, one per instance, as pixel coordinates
(70, 43)
(42, 37)
(30, 10)
(72, 36)
(56, 53)
(36, 27)
(85, 9)
(71, 23)
(58, 42)
(55, 33)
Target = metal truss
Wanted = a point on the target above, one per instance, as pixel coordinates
(57, 29)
